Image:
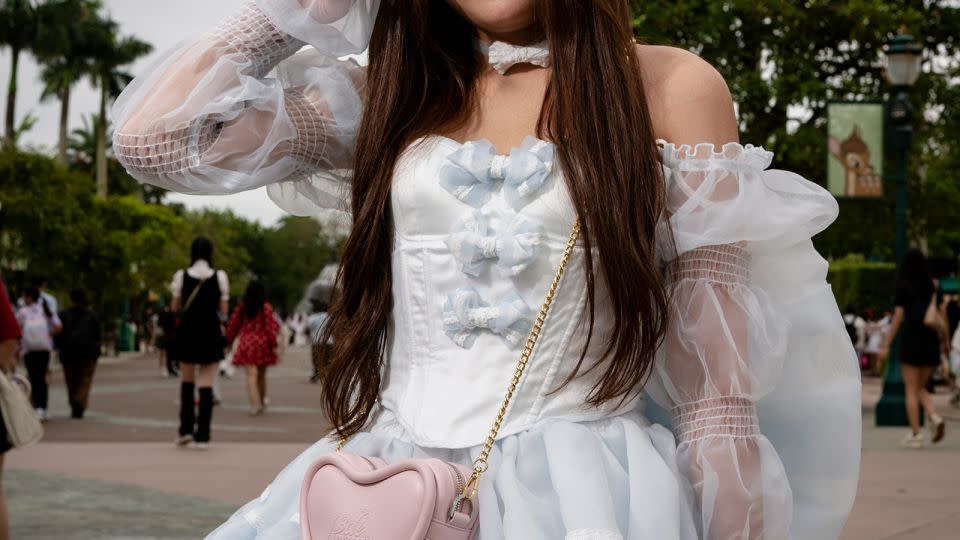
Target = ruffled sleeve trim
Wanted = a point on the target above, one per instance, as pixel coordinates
(725, 195)
(704, 155)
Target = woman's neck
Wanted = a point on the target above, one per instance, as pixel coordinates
(524, 36)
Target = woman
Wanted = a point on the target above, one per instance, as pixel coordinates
(255, 329)
(79, 345)
(9, 339)
(165, 332)
(200, 294)
(920, 345)
(876, 333)
(480, 132)
(39, 325)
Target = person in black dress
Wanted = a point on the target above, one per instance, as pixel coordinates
(200, 295)
(920, 346)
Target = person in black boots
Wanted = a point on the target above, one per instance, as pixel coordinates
(200, 295)
(79, 345)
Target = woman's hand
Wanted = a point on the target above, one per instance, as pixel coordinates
(883, 354)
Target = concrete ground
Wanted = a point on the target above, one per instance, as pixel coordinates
(115, 475)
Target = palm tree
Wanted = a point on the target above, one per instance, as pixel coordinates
(18, 26)
(63, 49)
(83, 151)
(111, 54)
(83, 143)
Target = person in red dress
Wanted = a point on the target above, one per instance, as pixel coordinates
(254, 329)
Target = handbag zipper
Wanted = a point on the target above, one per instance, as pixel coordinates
(458, 500)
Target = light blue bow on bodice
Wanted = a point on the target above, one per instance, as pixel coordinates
(513, 246)
(475, 171)
(465, 315)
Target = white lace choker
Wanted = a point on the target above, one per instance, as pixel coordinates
(503, 56)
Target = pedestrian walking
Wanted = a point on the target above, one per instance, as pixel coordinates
(876, 333)
(856, 328)
(319, 352)
(39, 324)
(200, 294)
(952, 367)
(147, 325)
(521, 224)
(79, 345)
(298, 326)
(166, 332)
(921, 345)
(9, 341)
(40, 283)
(255, 330)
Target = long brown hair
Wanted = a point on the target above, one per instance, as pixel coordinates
(421, 79)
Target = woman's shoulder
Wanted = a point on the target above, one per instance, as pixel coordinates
(689, 99)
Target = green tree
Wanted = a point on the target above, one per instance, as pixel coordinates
(296, 250)
(18, 26)
(63, 49)
(115, 247)
(785, 60)
(111, 54)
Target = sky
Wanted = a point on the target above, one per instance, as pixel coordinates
(163, 23)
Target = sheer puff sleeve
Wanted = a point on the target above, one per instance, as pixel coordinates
(207, 119)
(763, 388)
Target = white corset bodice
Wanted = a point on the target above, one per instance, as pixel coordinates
(461, 313)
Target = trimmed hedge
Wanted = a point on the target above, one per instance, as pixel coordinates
(861, 283)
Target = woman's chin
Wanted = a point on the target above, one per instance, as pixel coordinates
(498, 17)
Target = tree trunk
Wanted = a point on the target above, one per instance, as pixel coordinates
(102, 142)
(64, 115)
(10, 135)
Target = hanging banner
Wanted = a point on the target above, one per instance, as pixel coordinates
(855, 144)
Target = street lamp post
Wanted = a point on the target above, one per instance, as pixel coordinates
(903, 60)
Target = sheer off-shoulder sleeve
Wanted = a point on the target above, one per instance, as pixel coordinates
(752, 319)
(207, 119)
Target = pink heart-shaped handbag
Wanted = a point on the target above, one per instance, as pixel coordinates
(351, 497)
(346, 496)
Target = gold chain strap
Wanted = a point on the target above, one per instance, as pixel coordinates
(480, 464)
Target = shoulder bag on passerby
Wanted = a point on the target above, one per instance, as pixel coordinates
(193, 293)
(23, 426)
(934, 320)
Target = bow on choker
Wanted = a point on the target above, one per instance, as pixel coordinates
(503, 56)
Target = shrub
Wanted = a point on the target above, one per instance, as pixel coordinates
(862, 283)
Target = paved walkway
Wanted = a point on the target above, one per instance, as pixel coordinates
(115, 474)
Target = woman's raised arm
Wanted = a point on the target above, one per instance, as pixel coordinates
(206, 118)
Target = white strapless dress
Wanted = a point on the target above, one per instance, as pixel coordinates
(750, 424)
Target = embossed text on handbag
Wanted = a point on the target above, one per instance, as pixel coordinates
(346, 496)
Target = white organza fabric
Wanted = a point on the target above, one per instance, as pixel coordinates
(729, 337)
(755, 373)
(205, 120)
